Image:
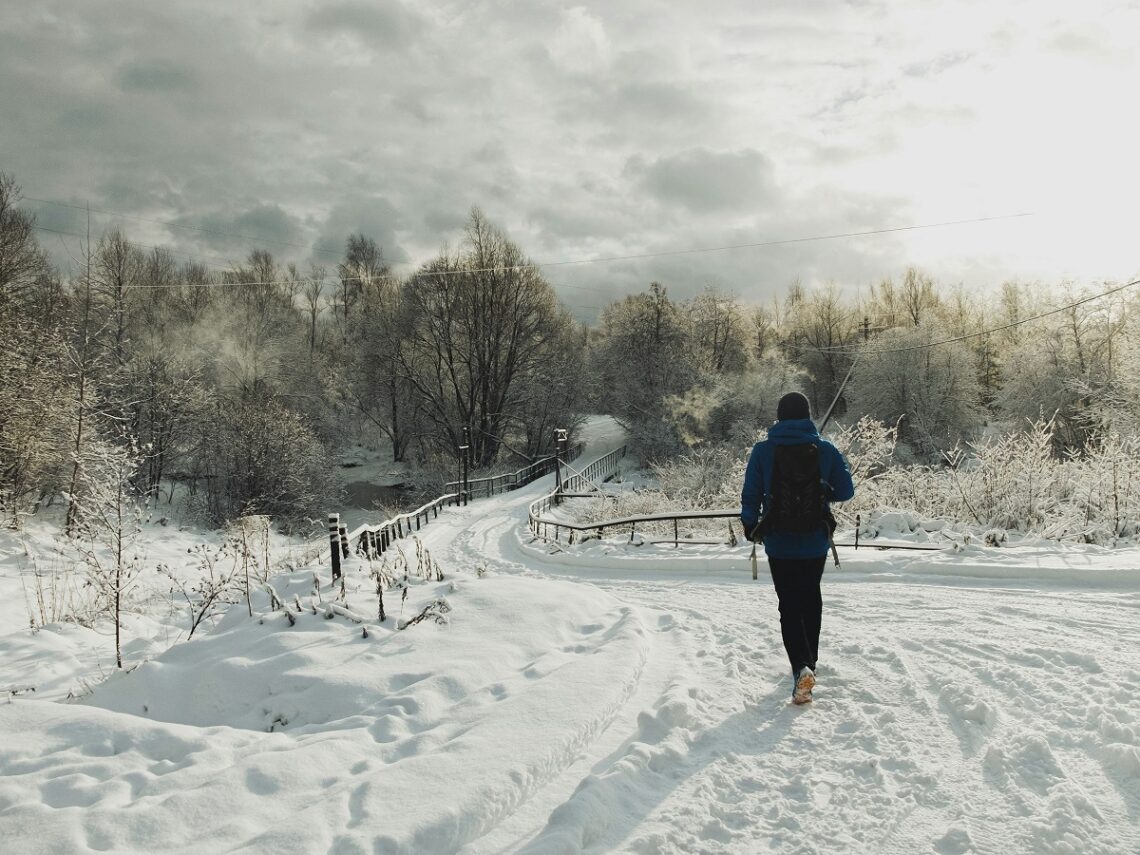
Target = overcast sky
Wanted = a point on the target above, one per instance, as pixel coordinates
(591, 130)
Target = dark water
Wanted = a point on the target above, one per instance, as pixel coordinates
(364, 494)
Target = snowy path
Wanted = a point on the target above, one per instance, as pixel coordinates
(608, 698)
(951, 716)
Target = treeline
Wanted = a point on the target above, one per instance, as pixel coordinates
(939, 364)
(241, 385)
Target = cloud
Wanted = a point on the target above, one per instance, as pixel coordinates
(584, 131)
(580, 43)
(156, 75)
(386, 24)
(372, 216)
(707, 181)
(261, 226)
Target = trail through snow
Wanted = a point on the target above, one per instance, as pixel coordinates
(608, 697)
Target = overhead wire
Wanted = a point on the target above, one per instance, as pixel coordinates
(223, 283)
(183, 226)
(187, 255)
(632, 256)
(862, 351)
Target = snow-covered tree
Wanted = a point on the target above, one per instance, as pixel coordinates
(932, 392)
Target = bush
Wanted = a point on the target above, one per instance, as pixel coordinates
(264, 460)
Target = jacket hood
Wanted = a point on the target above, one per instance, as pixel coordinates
(793, 432)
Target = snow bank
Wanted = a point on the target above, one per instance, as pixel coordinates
(313, 736)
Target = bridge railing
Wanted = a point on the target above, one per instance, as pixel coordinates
(574, 482)
(374, 540)
(493, 484)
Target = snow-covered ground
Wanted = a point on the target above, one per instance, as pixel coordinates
(602, 697)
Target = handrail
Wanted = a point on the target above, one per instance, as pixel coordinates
(603, 468)
(375, 540)
(648, 518)
(533, 471)
(675, 517)
(632, 521)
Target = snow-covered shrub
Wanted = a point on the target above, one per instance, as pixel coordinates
(733, 408)
(656, 440)
(930, 393)
(108, 523)
(265, 460)
(212, 589)
(868, 446)
(53, 595)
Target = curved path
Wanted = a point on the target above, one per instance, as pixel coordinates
(955, 713)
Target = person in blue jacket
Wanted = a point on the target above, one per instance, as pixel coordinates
(796, 561)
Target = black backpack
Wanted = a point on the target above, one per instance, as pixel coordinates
(796, 503)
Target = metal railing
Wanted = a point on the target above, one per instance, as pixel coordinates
(594, 473)
(546, 524)
(490, 485)
(541, 526)
(372, 541)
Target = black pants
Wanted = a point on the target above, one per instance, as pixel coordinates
(801, 606)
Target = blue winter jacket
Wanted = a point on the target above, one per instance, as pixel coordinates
(758, 486)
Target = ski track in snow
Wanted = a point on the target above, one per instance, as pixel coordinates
(952, 716)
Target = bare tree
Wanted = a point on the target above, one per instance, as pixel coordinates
(917, 296)
(117, 274)
(21, 260)
(822, 329)
(717, 331)
(478, 324)
(109, 523)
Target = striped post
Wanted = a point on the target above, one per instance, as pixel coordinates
(334, 544)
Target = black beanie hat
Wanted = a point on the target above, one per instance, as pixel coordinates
(793, 406)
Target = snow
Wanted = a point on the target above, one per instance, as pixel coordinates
(603, 697)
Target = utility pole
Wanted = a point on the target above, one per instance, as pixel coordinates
(465, 458)
(559, 450)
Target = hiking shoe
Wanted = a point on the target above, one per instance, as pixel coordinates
(802, 686)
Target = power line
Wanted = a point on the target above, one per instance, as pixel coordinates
(600, 259)
(779, 242)
(190, 256)
(968, 336)
(170, 225)
(222, 283)
(725, 248)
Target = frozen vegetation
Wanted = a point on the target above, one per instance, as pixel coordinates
(601, 697)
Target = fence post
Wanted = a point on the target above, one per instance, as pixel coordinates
(343, 532)
(334, 545)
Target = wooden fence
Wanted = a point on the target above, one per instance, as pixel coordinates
(374, 540)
